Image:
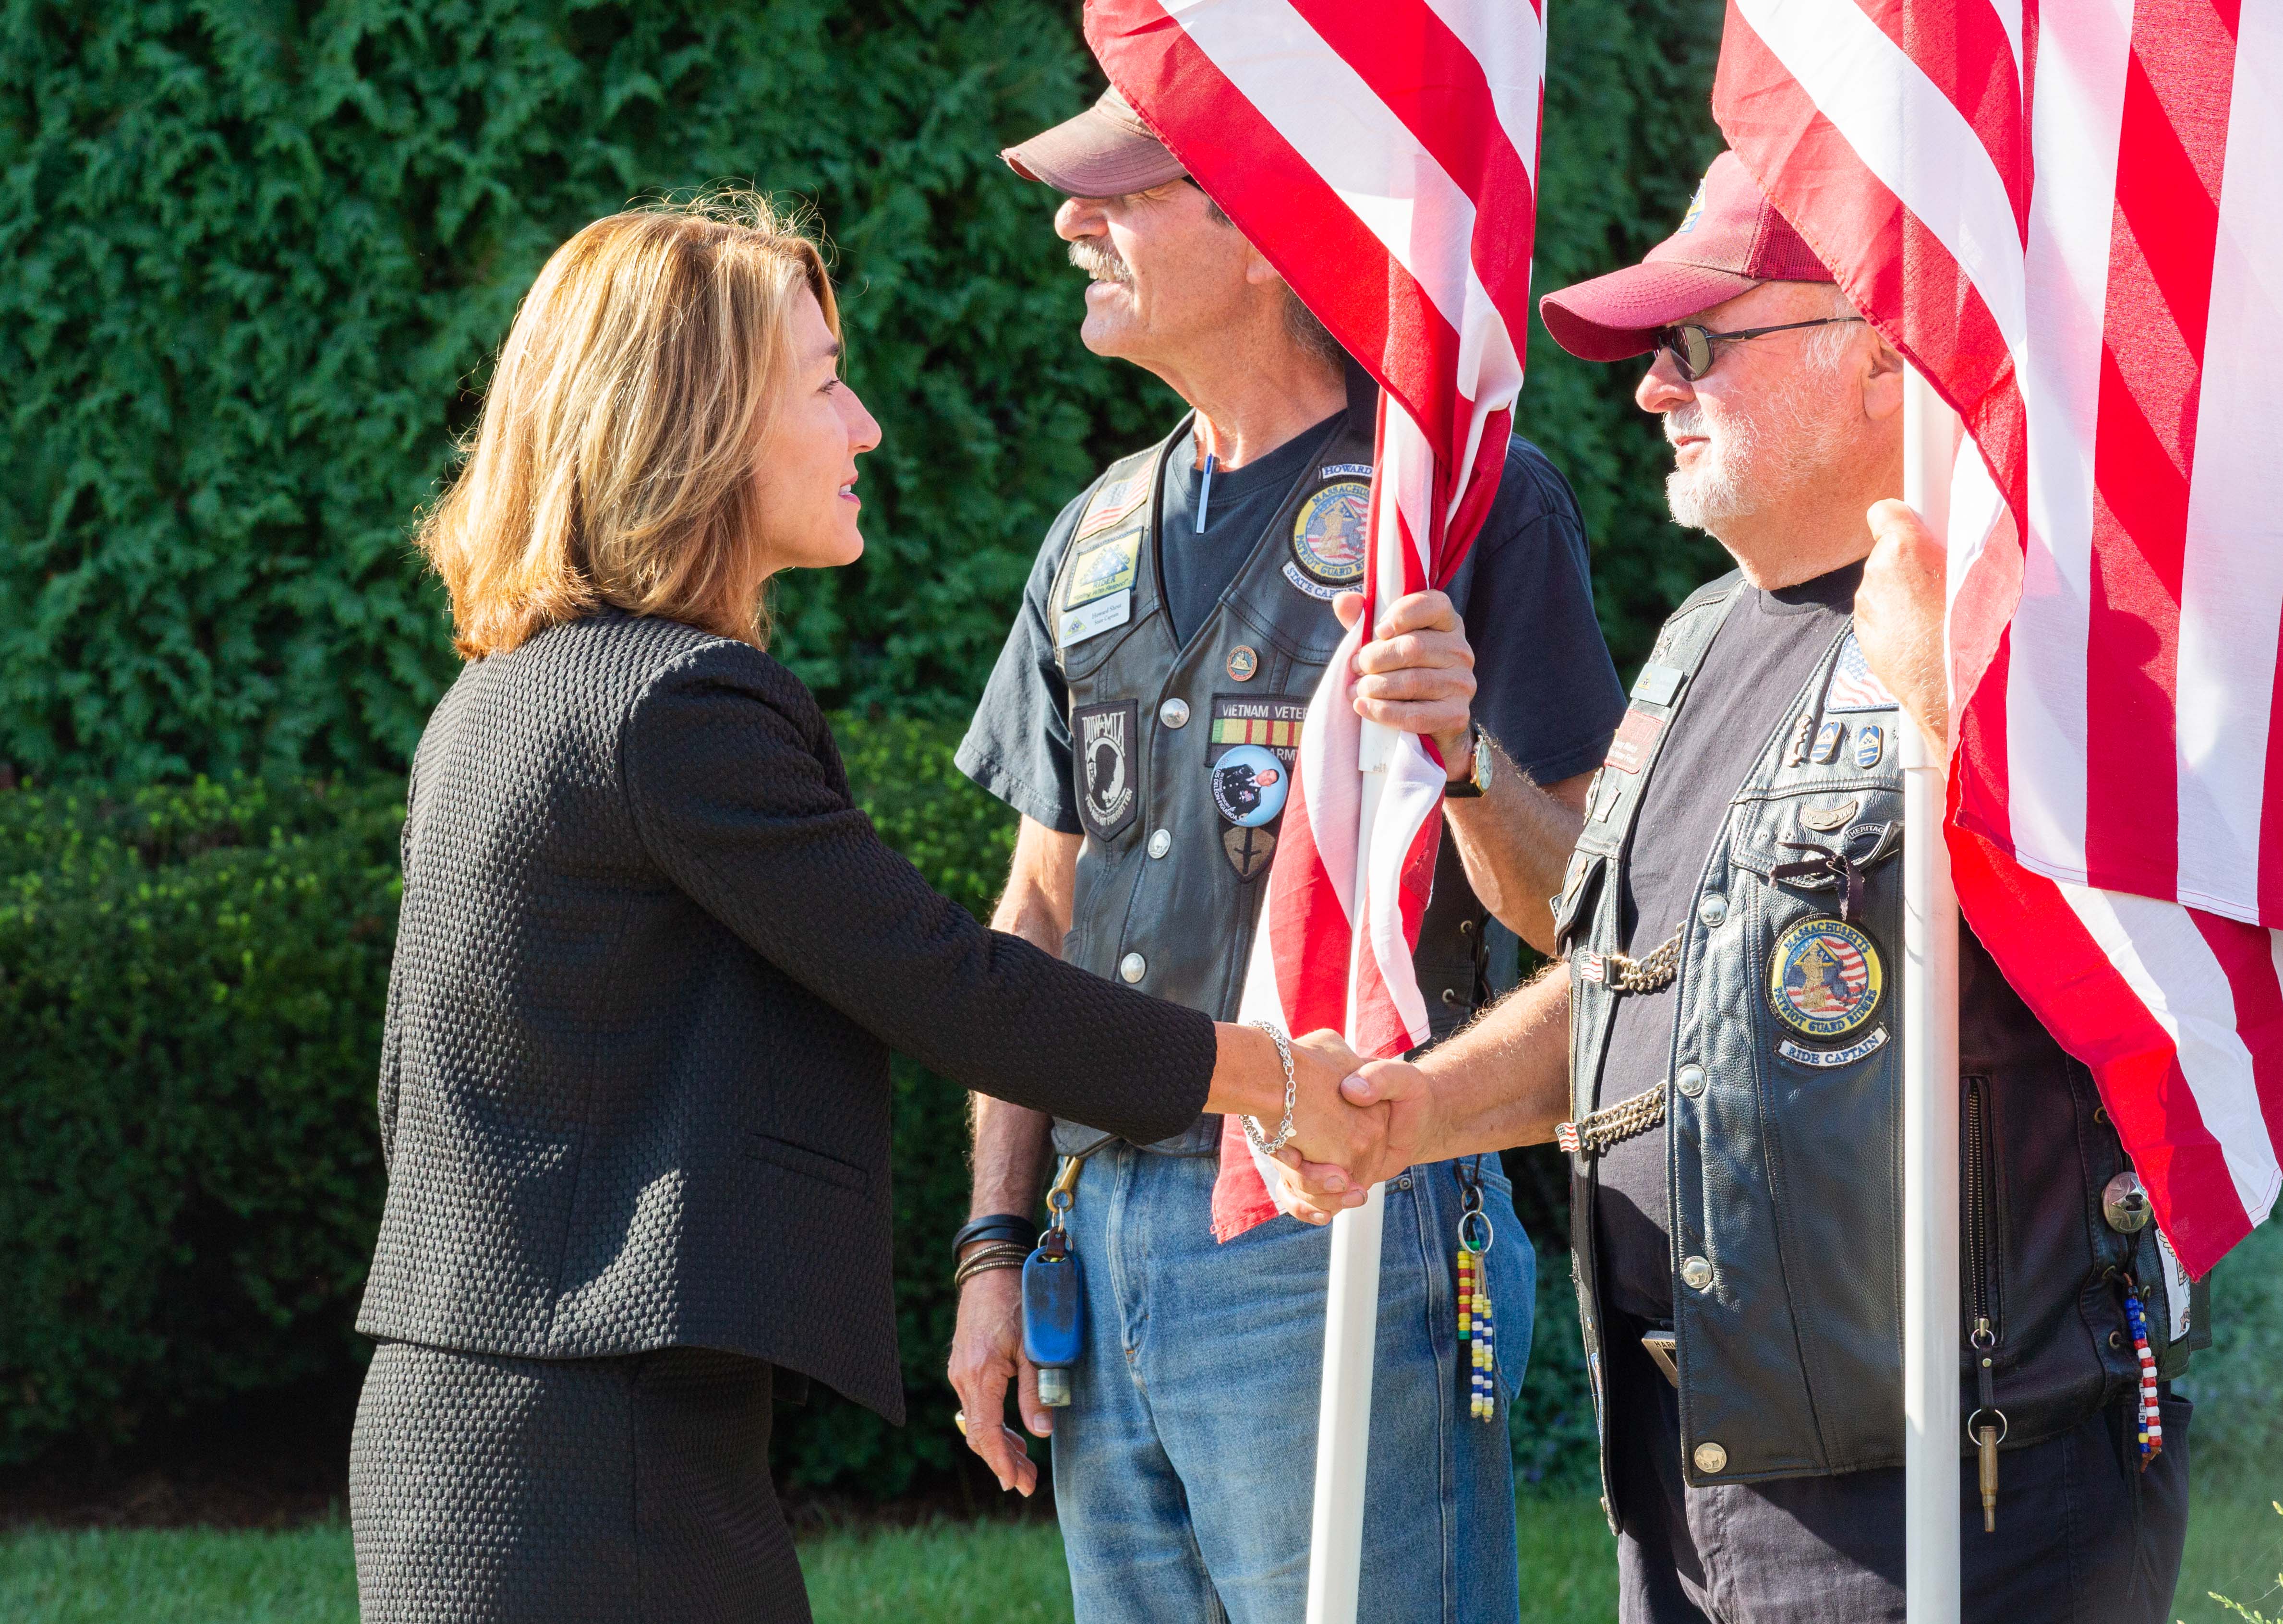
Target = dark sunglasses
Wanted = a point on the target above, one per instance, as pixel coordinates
(1691, 346)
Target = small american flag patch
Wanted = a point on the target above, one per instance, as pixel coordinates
(1853, 687)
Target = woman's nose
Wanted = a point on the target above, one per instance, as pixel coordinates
(863, 428)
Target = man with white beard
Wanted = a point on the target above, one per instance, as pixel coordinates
(1716, 1048)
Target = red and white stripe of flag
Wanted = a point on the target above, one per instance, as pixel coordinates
(1382, 155)
(2071, 219)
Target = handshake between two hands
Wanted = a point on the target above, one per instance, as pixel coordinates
(1355, 1123)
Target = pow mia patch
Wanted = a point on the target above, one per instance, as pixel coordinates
(1103, 737)
(1328, 538)
(1824, 978)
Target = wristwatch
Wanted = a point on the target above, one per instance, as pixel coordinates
(1478, 780)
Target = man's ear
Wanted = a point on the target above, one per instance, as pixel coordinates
(1882, 380)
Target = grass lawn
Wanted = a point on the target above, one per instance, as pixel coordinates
(1012, 1572)
(949, 1573)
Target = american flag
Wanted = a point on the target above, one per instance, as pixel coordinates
(1383, 154)
(2070, 218)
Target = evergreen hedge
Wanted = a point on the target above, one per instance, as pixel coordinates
(193, 981)
(254, 258)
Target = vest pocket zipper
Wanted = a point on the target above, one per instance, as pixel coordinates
(1986, 1427)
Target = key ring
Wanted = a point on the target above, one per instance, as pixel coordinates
(1490, 1234)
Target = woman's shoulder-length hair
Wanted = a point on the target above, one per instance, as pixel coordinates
(614, 461)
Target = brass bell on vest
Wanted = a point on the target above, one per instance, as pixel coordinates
(2125, 1203)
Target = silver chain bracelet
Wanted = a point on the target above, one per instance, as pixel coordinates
(1269, 1147)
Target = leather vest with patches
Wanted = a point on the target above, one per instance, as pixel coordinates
(1782, 1109)
(1181, 756)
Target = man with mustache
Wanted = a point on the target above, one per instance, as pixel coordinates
(1716, 1051)
(1182, 611)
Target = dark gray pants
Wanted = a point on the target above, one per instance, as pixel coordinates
(2083, 1532)
(487, 1490)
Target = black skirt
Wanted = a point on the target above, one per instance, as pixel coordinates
(488, 1490)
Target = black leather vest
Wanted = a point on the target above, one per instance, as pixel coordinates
(1181, 755)
(1782, 1094)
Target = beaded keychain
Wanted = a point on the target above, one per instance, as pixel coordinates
(2152, 1421)
(1477, 1332)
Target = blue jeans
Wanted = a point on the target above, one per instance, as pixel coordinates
(1185, 1464)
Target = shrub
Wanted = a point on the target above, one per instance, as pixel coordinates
(192, 979)
(253, 260)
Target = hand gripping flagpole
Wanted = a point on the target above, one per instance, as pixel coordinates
(1351, 1324)
(1930, 1384)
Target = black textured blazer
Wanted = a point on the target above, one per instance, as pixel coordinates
(633, 1090)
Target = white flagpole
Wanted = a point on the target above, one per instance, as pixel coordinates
(1930, 1021)
(1350, 1326)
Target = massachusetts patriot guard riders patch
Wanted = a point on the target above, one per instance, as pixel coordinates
(1329, 540)
(1107, 795)
(1824, 978)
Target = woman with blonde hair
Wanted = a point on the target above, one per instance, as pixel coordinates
(633, 1090)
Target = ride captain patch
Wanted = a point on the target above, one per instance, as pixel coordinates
(1824, 978)
(1328, 538)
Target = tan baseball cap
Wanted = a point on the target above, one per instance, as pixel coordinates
(1104, 151)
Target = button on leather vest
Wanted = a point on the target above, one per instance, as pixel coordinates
(1782, 1110)
(1181, 755)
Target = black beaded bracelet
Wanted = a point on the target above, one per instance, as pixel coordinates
(995, 1226)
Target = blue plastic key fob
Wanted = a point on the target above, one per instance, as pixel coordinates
(1054, 1317)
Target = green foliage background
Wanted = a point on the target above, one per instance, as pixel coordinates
(254, 256)
(193, 980)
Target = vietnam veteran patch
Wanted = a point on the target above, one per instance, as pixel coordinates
(1272, 720)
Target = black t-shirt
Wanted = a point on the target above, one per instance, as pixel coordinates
(1746, 689)
(1544, 685)
(1238, 506)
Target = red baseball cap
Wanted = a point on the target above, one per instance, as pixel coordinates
(1731, 240)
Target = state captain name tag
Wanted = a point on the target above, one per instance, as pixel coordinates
(1092, 619)
(1098, 586)
(1628, 750)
